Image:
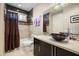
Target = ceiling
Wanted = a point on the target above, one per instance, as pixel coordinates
(24, 6)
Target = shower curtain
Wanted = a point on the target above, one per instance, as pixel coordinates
(12, 39)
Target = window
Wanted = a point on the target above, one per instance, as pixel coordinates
(22, 17)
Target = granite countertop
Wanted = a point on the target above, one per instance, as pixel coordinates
(69, 45)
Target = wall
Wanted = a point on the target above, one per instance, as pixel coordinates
(24, 31)
(23, 27)
(61, 21)
(1, 29)
(38, 11)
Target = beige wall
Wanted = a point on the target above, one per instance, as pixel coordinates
(38, 11)
(24, 31)
(1, 29)
(61, 21)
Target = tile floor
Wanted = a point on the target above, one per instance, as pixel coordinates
(22, 51)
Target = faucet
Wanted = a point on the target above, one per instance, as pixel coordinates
(68, 31)
(70, 36)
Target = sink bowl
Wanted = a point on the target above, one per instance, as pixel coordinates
(58, 36)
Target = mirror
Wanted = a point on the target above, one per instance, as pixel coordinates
(60, 18)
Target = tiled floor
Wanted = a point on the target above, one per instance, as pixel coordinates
(21, 51)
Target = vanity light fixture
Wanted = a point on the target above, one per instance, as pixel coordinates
(64, 4)
(57, 7)
(60, 5)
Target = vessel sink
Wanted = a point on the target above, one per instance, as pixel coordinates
(58, 36)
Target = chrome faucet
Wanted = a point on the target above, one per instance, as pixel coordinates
(71, 36)
(68, 31)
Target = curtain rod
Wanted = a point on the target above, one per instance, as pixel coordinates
(13, 11)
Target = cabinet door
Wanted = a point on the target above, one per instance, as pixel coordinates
(45, 49)
(62, 52)
(36, 47)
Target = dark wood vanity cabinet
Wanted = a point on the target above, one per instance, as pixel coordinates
(44, 49)
(41, 48)
(62, 52)
(36, 47)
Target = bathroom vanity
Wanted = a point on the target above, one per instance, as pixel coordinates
(45, 46)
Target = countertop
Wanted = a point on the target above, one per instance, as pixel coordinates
(69, 45)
